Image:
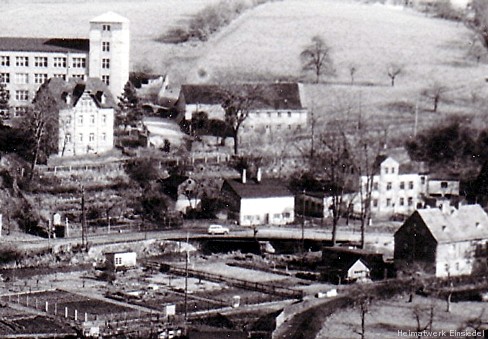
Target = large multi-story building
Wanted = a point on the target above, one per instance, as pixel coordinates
(26, 63)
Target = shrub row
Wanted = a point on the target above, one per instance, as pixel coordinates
(209, 20)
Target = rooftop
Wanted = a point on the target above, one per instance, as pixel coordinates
(58, 45)
(469, 222)
(59, 89)
(110, 17)
(267, 188)
(267, 96)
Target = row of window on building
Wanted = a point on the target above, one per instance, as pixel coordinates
(277, 126)
(271, 114)
(91, 137)
(81, 120)
(389, 202)
(40, 78)
(41, 61)
(389, 185)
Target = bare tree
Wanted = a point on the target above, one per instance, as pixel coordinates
(479, 23)
(393, 71)
(4, 99)
(352, 71)
(40, 125)
(335, 162)
(363, 304)
(435, 92)
(476, 324)
(419, 314)
(316, 58)
(237, 102)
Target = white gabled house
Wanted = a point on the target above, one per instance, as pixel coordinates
(259, 201)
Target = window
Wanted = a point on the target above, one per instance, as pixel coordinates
(105, 63)
(79, 63)
(444, 184)
(410, 201)
(80, 119)
(276, 216)
(386, 170)
(21, 95)
(410, 185)
(375, 186)
(40, 78)
(21, 61)
(393, 170)
(279, 114)
(62, 76)
(68, 120)
(59, 62)
(4, 78)
(105, 46)
(67, 138)
(106, 28)
(402, 201)
(422, 180)
(20, 110)
(21, 78)
(402, 185)
(388, 186)
(286, 215)
(375, 202)
(91, 137)
(289, 114)
(269, 114)
(4, 60)
(80, 136)
(388, 202)
(79, 76)
(40, 61)
(104, 136)
(106, 79)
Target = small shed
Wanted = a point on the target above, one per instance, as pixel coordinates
(120, 260)
(358, 270)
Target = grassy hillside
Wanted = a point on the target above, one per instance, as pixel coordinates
(264, 44)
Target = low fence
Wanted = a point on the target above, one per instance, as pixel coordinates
(119, 164)
(244, 284)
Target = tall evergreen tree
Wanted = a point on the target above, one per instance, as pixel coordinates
(129, 108)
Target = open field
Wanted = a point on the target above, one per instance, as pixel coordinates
(264, 44)
(386, 318)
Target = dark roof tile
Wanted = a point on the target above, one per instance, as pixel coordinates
(44, 45)
(267, 188)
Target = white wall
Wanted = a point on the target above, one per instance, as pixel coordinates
(259, 211)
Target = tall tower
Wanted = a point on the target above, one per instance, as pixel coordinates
(109, 51)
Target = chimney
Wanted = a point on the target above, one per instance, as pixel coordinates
(258, 175)
(244, 176)
(103, 99)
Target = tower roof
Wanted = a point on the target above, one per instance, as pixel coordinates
(110, 17)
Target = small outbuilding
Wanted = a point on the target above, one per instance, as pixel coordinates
(120, 260)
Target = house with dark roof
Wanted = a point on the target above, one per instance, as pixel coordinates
(85, 114)
(444, 244)
(259, 201)
(275, 106)
(401, 185)
(26, 63)
(341, 264)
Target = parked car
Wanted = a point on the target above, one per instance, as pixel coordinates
(218, 229)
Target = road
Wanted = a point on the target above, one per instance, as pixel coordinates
(264, 233)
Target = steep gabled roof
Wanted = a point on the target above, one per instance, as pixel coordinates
(267, 188)
(44, 45)
(59, 89)
(469, 222)
(267, 96)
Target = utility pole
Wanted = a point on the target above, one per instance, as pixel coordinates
(83, 219)
(186, 274)
(303, 222)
